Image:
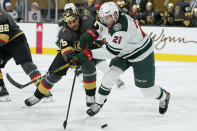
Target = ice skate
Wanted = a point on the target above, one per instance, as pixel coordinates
(48, 98)
(163, 104)
(32, 101)
(94, 109)
(90, 100)
(4, 95)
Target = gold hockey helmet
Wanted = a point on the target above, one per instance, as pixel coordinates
(120, 3)
(70, 15)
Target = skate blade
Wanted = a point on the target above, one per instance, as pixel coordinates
(5, 99)
(47, 100)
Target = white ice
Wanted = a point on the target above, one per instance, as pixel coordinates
(125, 110)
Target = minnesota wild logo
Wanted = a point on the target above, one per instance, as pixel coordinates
(117, 27)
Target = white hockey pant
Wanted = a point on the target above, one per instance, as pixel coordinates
(109, 80)
(153, 92)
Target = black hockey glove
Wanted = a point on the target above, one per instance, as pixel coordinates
(69, 59)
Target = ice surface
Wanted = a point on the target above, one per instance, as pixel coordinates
(125, 110)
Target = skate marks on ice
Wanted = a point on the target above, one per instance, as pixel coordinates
(125, 110)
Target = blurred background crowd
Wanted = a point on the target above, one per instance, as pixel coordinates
(146, 12)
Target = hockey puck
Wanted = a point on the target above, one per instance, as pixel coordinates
(104, 126)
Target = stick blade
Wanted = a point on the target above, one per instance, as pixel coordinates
(65, 124)
(13, 82)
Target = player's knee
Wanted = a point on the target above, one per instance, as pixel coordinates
(151, 92)
(111, 76)
(88, 67)
(28, 67)
(53, 78)
(103, 66)
(61, 73)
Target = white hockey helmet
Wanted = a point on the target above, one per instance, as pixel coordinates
(108, 8)
(70, 5)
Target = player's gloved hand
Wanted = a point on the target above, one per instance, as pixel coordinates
(87, 38)
(68, 58)
(67, 53)
(82, 57)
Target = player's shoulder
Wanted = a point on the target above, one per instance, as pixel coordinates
(67, 34)
(86, 19)
(87, 22)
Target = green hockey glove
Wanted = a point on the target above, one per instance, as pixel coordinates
(82, 57)
(88, 37)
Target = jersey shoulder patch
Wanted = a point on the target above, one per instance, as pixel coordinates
(120, 25)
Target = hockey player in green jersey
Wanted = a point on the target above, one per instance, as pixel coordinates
(13, 44)
(127, 45)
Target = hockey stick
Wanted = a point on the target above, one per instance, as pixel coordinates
(71, 94)
(20, 86)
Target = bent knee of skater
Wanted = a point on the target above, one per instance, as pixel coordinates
(110, 77)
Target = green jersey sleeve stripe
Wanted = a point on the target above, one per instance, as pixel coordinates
(138, 49)
(118, 49)
(112, 51)
(140, 52)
